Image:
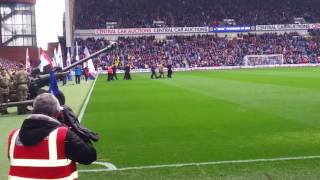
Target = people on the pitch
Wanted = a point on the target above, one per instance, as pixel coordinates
(86, 73)
(169, 67)
(45, 137)
(127, 75)
(161, 71)
(110, 73)
(64, 81)
(153, 71)
(69, 75)
(78, 73)
(114, 72)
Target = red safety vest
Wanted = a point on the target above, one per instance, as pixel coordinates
(45, 160)
(110, 71)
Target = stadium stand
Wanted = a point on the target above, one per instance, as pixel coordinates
(186, 13)
(8, 64)
(206, 50)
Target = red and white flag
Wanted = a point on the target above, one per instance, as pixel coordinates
(45, 60)
(28, 65)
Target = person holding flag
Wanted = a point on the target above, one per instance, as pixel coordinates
(114, 68)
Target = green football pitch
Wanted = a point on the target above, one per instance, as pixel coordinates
(226, 124)
(196, 124)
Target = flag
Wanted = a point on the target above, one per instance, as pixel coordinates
(53, 89)
(77, 52)
(68, 62)
(45, 60)
(86, 54)
(28, 65)
(68, 58)
(55, 56)
(92, 70)
(60, 59)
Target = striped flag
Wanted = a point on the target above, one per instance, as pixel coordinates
(60, 59)
(89, 64)
(45, 60)
(28, 65)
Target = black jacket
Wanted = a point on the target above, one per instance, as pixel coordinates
(37, 126)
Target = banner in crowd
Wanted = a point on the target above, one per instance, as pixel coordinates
(315, 26)
(226, 29)
(139, 31)
(190, 30)
(283, 27)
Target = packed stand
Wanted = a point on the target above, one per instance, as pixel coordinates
(8, 64)
(181, 13)
(205, 50)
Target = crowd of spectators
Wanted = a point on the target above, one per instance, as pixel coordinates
(204, 50)
(8, 64)
(142, 13)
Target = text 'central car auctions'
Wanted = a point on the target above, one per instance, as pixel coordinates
(166, 30)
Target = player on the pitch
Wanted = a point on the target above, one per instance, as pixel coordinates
(153, 71)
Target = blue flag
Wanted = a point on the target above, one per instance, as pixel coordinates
(53, 89)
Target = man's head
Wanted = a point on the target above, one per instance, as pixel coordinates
(2, 71)
(46, 104)
(21, 66)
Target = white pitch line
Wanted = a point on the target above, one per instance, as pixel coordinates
(108, 166)
(203, 163)
(84, 106)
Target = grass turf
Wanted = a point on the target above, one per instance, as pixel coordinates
(201, 116)
(75, 96)
(208, 116)
(305, 169)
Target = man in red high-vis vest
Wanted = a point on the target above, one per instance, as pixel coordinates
(110, 71)
(44, 148)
